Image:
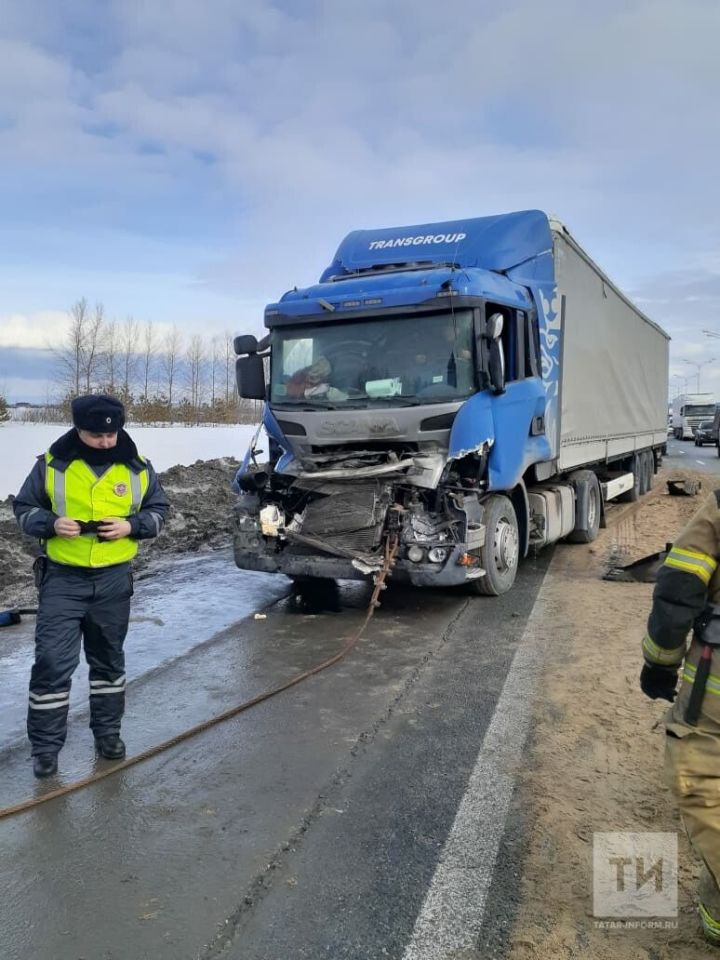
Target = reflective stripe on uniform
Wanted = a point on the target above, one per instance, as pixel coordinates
(136, 492)
(26, 516)
(660, 655)
(702, 565)
(49, 701)
(711, 927)
(713, 680)
(59, 498)
(41, 697)
(107, 686)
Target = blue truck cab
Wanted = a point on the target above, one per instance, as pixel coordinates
(416, 388)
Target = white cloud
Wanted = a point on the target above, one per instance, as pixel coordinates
(261, 132)
(39, 330)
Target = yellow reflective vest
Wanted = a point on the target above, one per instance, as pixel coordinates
(77, 492)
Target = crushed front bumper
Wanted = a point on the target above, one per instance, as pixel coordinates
(295, 564)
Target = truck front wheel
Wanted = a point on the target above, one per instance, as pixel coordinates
(501, 552)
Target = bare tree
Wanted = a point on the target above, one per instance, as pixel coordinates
(93, 344)
(110, 355)
(149, 349)
(70, 354)
(196, 359)
(213, 369)
(172, 348)
(128, 354)
(229, 366)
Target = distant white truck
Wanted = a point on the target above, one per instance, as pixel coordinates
(689, 410)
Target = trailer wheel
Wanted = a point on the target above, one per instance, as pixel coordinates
(645, 470)
(650, 470)
(588, 500)
(501, 552)
(633, 495)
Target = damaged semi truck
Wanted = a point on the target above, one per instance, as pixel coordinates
(475, 388)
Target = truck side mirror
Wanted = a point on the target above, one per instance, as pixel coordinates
(245, 344)
(250, 376)
(495, 326)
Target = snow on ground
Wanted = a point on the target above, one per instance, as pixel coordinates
(20, 443)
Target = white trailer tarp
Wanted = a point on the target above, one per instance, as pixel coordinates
(614, 366)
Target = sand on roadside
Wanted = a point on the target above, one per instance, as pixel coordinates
(596, 761)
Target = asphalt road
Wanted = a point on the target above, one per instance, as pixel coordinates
(684, 453)
(349, 818)
(314, 825)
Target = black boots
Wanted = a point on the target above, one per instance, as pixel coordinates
(45, 764)
(111, 747)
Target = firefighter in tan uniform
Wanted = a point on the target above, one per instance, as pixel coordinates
(687, 595)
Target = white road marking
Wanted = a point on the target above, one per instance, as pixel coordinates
(452, 914)
(701, 462)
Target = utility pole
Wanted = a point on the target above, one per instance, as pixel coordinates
(699, 364)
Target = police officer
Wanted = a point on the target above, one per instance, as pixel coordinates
(90, 498)
(687, 595)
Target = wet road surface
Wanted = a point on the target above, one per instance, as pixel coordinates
(308, 827)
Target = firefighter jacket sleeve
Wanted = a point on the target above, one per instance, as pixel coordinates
(32, 507)
(682, 586)
(150, 519)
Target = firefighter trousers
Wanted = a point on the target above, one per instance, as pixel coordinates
(78, 605)
(692, 768)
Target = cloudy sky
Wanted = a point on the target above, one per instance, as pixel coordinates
(187, 162)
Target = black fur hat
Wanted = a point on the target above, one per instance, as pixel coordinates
(98, 413)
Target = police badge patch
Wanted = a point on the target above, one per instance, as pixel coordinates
(120, 489)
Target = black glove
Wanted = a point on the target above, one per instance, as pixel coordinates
(659, 682)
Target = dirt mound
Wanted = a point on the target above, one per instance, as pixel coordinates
(201, 500)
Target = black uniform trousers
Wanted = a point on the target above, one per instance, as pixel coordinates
(78, 604)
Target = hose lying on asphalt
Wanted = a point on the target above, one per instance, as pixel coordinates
(391, 548)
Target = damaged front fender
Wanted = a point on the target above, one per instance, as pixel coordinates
(473, 429)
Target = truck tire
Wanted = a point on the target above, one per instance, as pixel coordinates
(645, 472)
(315, 594)
(588, 499)
(500, 555)
(650, 476)
(633, 495)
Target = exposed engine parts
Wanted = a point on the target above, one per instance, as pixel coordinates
(338, 510)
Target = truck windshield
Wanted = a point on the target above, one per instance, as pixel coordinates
(698, 410)
(425, 358)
